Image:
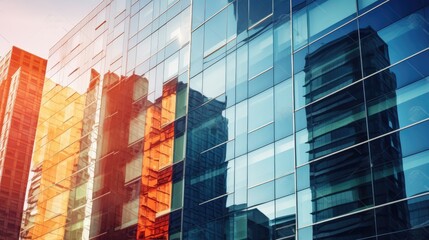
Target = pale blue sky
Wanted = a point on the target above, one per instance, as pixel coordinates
(36, 25)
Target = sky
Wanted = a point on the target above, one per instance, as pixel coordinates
(36, 25)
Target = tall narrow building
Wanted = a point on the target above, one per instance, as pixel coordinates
(22, 75)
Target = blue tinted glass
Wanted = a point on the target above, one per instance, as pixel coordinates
(283, 109)
(300, 28)
(261, 110)
(285, 217)
(242, 75)
(241, 180)
(258, 9)
(242, 21)
(285, 162)
(332, 63)
(261, 137)
(215, 33)
(282, 51)
(400, 162)
(367, 4)
(285, 186)
(261, 165)
(340, 184)
(260, 194)
(281, 9)
(393, 31)
(241, 128)
(333, 123)
(230, 78)
(214, 80)
(259, 221)
(196, 53)
(411, 215)
(398, 96)
(261, 82)
(214, 6)
(261, 53)
(198, 7)
(232, 21)
(356, 226)
(326, 15)
(317, 19)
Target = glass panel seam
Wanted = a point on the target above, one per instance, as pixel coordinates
(364, 78)
(363, 142)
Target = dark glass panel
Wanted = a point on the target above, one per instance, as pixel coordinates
(281, 10)
(356, 226)
(404, 220)
(329, 64)
(339, 184)
(400, 163)
(333, 123)
(398, 96)
(259, 9)
(392, 32)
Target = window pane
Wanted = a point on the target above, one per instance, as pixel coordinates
(329, 64)
(333, 123)
(283, 109)
(261, 165)
(258, 9)
(196, 53)
(325, 14)
(405, 220)
(400, 162)
(145, 16)
(261, 53)
(215, 33)
(285, 186)
(356, 226)
(393, 31)
(214, 80)
(285, 162)
(260, 194)
(261, 109)
(340, 184)
(198, 7)
(213, 7)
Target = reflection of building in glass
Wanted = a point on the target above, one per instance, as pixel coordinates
(21, 82)
(348, 174)
(123, 164)
(56, 152)
(207, 167)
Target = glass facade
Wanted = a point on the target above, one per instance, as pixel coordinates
(235, 119)
(21, 82)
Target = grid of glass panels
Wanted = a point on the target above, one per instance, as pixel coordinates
(308, 120)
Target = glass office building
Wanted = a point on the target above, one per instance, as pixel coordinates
(21, 82)
(236, 119)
